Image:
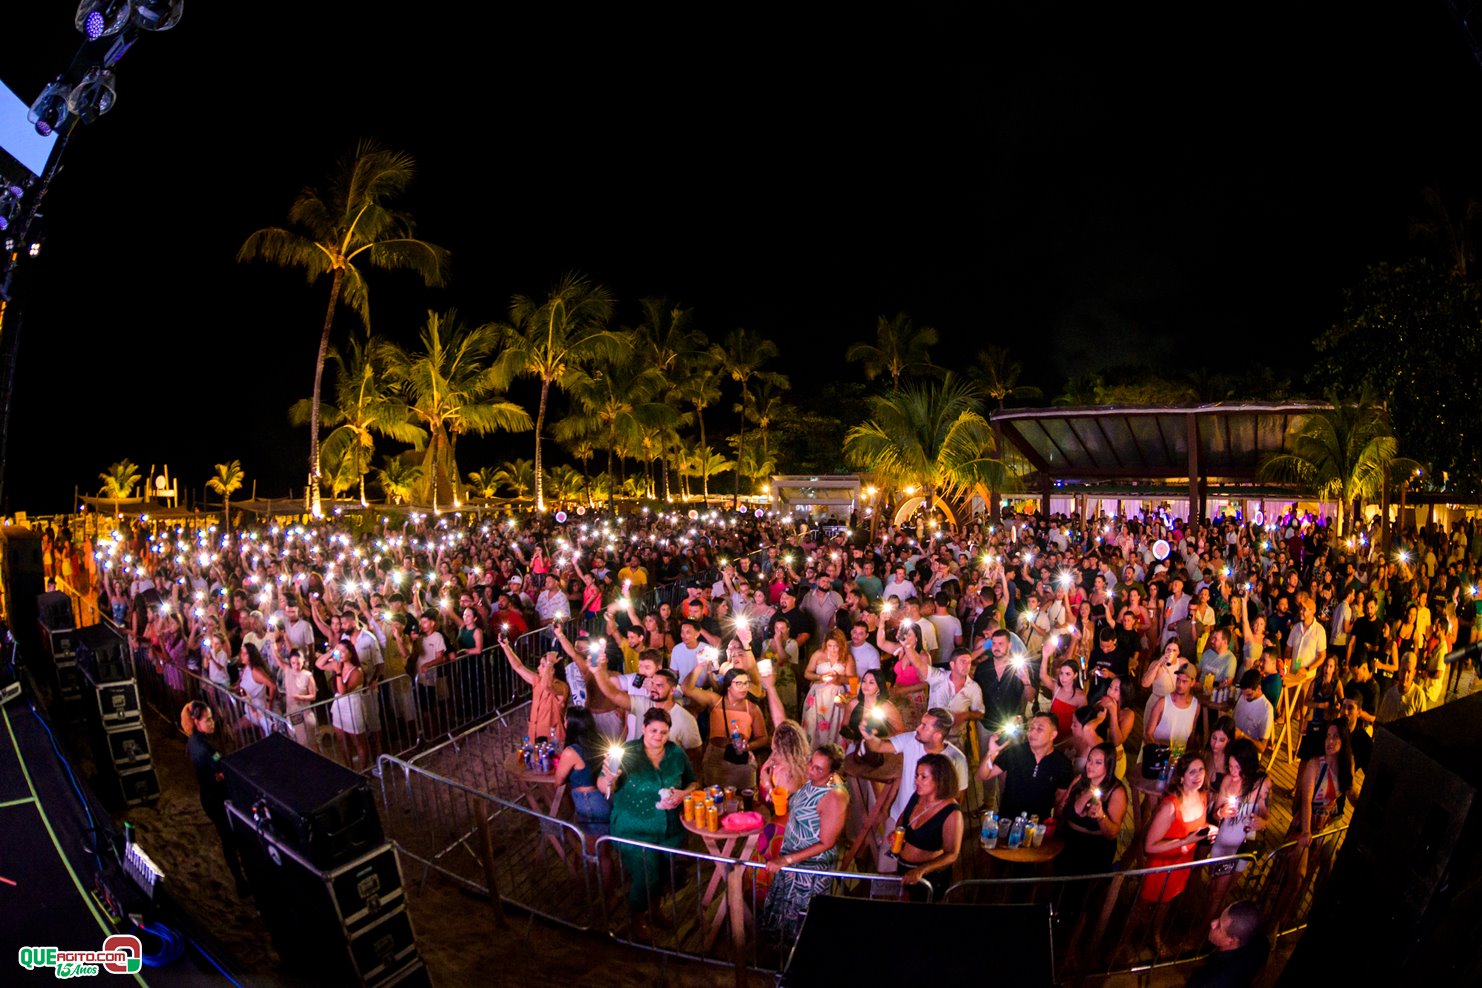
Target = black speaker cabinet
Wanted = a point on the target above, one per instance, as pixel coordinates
(54, 610)
(118, 703)
(61, 643)
(1410, 869)
(130, 786)
(1023, 955)
(344, 925)
(70, 683)
(125, 746)
(323, 811)
(103, 654)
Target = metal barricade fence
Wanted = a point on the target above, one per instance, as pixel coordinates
(710, 907)
(1112, 922)
(1293, 878)
(489, 845)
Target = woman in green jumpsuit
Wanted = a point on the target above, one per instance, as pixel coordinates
(651, 765)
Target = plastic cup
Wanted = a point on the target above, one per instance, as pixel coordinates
(779, 800)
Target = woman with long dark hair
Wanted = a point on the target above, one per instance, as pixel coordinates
(199, 723)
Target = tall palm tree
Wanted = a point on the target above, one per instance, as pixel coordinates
(226, 481)
(702, 461)
(699, 387)
(668, 342)
(450, 388)
(620, 399)
(766, 405)
(997, 374)
(564, 482)
(549, 339)
(349, 224)
(516, 475)
(1344, 454)
(741, 357)
(929, 434)
(119, 481)
(363, 407)
(900, 348)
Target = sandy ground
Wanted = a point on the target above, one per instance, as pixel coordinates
(457, 932)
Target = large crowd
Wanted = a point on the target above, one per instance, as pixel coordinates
(1012, 666)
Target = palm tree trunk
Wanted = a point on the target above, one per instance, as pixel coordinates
(740, 449)
(545, 390)
(312, 492)
(705, 460)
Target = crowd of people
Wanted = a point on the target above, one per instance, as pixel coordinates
(1011, 665)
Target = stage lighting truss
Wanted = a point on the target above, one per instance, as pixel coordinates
(100, 18)
(10, 204)
(93, 96)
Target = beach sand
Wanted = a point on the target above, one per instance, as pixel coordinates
(457, 931)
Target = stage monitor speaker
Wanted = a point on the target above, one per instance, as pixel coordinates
(54, 611)
(1410, 868)
(61, 643)
(323, 811)
(343, 925)
(116, 703)
(1014, 942)
(103, 654)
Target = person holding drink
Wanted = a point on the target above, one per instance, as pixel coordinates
(734, 725)
(648, 781)
(815, 824)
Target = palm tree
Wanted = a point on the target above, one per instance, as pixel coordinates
(516, 475)
(363, 407)
(547, 340)
(119, 481)
(741, 356)
(226, 481)
(702, 461)
(620, 400)
(766, 405)
(699, 387)
(564, 482)
(398, 478)
(485, 481)
(997, 374)
(449, 387)
(1344, 454)
(900, 348)
(670, 345)
(931, 435)
(348, 224)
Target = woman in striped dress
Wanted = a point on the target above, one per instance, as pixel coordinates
(815, 823)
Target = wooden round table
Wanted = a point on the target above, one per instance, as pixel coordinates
(724, 843)
(867, 811)
(540, 792)
(1048, 850)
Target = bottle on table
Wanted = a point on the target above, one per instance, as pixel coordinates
(989, 835)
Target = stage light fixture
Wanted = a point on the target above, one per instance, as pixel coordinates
(93, 96)
(157, 15)
(100, 18)
(50, 109)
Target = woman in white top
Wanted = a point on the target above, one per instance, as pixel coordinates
(299, 693)
(829, 670)
(1158, 676)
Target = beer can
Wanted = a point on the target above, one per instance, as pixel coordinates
(712, 817)
(689, 807)
(898, 840)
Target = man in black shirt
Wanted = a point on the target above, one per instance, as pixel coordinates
(1366, 636)
(1035, 775)
(1241, 949)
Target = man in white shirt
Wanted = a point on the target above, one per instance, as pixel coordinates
(866, 655)
(948, 628)
(954, 690)
(930, 736)
(686, 652)
(661, 686)
(1254, 717)
(898, 586)
(1307, 642)
(1175, 608)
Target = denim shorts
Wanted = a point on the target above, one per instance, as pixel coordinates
(592, 812)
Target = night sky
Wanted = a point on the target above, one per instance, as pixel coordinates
(1167, 187)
